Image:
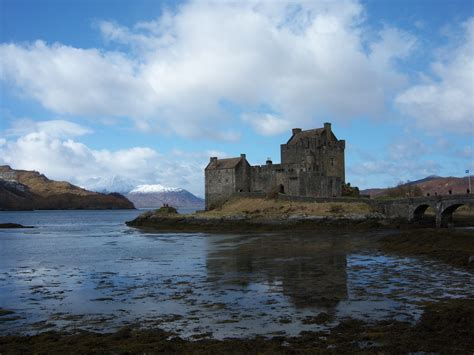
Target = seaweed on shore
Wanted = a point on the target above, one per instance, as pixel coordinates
(445, 327)
(454, 247)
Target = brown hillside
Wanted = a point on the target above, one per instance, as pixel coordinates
(432, 185)
(31, 190)
(40, 184)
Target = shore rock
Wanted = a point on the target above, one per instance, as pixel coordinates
(243, 223)
(12, 225)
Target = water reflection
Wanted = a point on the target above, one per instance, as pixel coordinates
(310, 270)
(86, 270)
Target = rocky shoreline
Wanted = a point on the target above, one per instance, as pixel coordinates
(241, 223)
(445, 327)
(12, 226)
(268, 215)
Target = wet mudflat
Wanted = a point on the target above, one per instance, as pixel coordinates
(87, 271)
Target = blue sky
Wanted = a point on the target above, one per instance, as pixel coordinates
(110, 94)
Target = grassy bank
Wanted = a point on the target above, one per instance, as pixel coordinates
(260, 215)
(246, 214)
(268, 208)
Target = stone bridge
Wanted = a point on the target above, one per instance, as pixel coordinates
(414, 208)
(411, 209)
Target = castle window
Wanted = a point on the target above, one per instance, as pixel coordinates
(332, 161)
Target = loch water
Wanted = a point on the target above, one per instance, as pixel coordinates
(88, 270)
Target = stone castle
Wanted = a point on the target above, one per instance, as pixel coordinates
(312, 164)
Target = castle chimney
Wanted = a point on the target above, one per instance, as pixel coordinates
(327, 131)
(213, 159)
(269, 161)
(242, 156)
(296, 130)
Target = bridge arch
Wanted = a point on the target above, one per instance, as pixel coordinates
(419, 211)
(446, 214)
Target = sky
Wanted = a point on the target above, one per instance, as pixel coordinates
(112, 94)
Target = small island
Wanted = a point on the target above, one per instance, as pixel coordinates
(12, 226)
(246, 214)
(306, 190)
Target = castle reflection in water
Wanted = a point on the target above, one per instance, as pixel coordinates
(310, 271)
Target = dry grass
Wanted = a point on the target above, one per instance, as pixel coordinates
(259, 207)
(461, 211)
(41, 185)
(465, 211)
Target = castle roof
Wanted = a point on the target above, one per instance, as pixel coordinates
(310, 133)
(229, 163)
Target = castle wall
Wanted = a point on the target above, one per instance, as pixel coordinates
(293, 181)
(264, 177)
(312, 164)
(219, 186)
(310, 183)
(242, 177)
(332, 160)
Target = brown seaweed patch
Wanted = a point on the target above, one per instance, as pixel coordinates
(445, 327)
(4, 312)
(455, 247)
(321, 318)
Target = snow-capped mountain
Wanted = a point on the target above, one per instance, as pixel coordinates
(146, 189)
(110, 184)
(146, 195)
(154, 196)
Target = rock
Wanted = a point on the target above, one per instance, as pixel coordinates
(237, 217)
(166, 210)
(12, 225)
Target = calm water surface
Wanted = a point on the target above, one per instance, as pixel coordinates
(87, 270)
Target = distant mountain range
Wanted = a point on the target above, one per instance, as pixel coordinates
(30, 190)
(153, 196)
(430, 185)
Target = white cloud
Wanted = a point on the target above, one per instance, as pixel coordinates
(71, 80)
(54, 128)
(388, 172)
(53, 153)
(267, 124)
(304, 61)
(446, 103)
(407, 149)
(408, 157)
